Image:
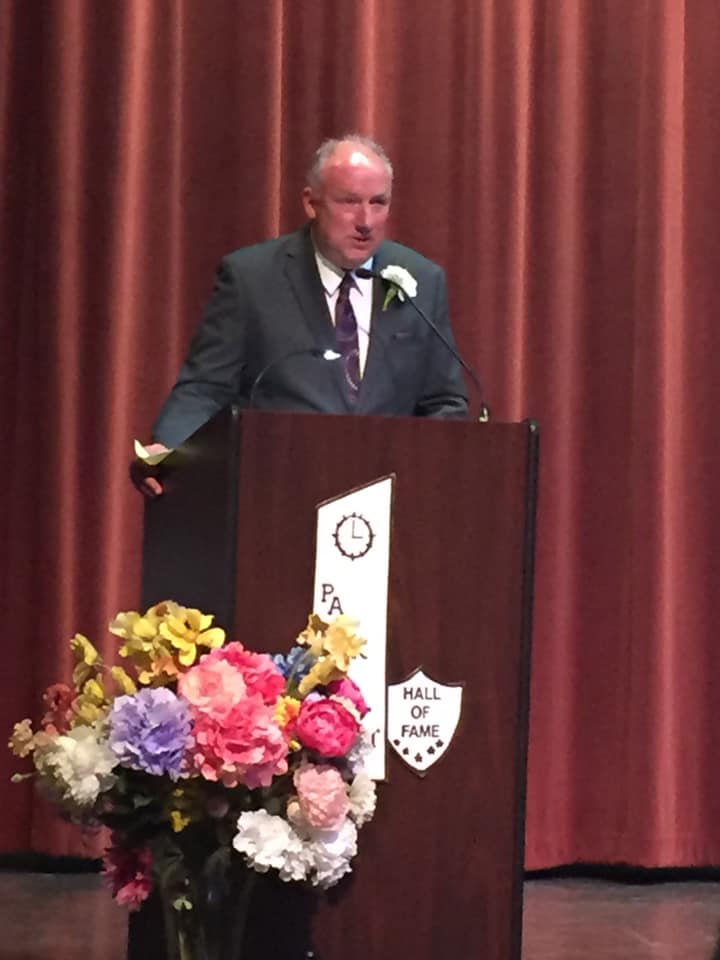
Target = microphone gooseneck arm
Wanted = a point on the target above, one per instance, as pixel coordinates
(282, 358)
(375, 275)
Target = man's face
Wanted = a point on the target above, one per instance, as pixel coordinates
(350, 207)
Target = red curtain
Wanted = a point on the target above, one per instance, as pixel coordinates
(560, 158)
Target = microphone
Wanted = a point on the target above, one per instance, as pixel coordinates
(276, 361)
(364, 273)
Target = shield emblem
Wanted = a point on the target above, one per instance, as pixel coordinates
(422, 719)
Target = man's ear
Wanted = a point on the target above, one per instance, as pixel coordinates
(309, 203)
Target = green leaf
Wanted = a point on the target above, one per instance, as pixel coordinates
(389, 294)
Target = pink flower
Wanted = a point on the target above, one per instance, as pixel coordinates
(322, 794)
(129, 872)
(213, 686)
(326, 726)
(246, 746)
(347, 689)
(260, 673)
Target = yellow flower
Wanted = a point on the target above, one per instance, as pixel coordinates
(313, 636)
(179, 820)
(87, 659)
(286, 711)
(124, 681)
(80, 645)
(159, 672)
(164, 639)
(87, 712)
(91, 703)
(342, 643)
(179, 810)
(187, 629)
(140, 635)
(22, 741)
(94, 690)
(323, 671)
(337, 640)
(132, 626)
(186, 648)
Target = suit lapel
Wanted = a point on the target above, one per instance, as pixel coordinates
(373, 380)
(304, 279)
(302, 274)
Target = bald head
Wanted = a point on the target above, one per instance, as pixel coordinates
(352, 147)
(347, 200)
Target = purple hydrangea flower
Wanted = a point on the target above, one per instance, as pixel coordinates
(150, 731)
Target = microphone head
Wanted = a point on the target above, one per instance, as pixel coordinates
(314, 352)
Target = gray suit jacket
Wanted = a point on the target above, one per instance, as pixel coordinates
(268, 319)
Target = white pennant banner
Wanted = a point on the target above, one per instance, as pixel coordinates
(352, 563)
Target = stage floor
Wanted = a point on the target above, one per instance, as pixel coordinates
(72, 917)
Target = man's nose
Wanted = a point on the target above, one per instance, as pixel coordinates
(363, 216)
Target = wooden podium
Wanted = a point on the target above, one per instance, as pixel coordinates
(439, 870)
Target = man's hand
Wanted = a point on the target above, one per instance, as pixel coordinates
(144, 474)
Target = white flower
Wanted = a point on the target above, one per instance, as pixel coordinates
(76, 766)
(360, 751)
(401, 279)
(297, 863)
(327, 852)
(269, 841)
(363, 799)
(331, 852)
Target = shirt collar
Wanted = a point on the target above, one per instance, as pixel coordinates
(331, 276)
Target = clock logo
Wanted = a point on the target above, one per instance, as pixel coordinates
(353, 536)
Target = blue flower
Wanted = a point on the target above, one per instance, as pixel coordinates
(150, 731)
(298, 663)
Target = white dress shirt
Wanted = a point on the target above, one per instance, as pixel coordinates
(361, 294)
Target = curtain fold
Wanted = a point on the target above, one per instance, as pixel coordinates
(559, 159)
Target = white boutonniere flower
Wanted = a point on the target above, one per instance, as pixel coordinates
(400, 282)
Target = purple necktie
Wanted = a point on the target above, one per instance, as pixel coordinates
(347, 336)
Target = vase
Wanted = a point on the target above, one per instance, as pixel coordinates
(206, 919)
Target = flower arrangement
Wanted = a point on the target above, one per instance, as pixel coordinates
(203, 751)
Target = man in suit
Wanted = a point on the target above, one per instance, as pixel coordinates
(290, 326)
